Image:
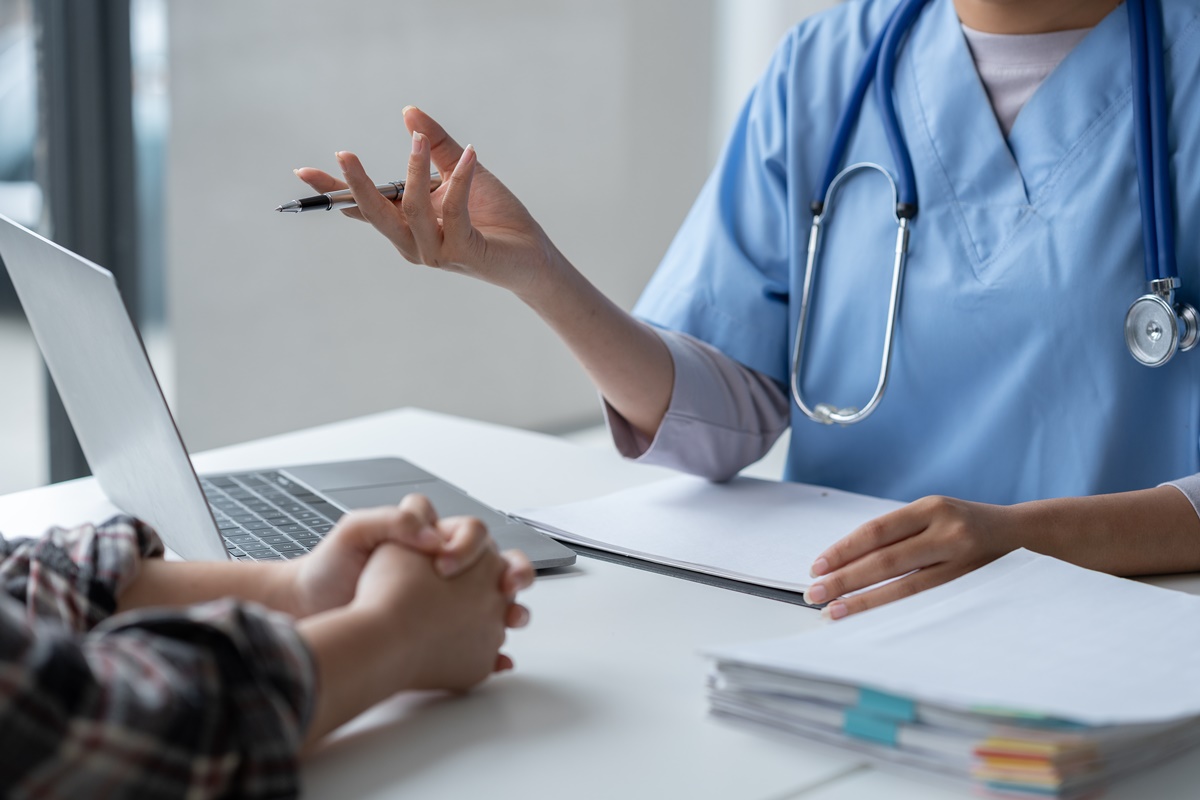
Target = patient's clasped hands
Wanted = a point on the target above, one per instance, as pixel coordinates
(393, 599)
(397, 599)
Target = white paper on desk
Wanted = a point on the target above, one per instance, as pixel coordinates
(762, 532)
(1026, 633)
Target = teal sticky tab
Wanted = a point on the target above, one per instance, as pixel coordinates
(888, 706)
(862, 725)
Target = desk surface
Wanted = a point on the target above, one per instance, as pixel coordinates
(608, 696)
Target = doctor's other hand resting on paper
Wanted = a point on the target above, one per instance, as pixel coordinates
(1014, 414)
(138, 657)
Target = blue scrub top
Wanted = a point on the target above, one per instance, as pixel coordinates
(1010, 377)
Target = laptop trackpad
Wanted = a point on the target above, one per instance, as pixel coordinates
(449, 501)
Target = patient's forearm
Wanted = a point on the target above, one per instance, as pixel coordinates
(354, 672)
(178, 583)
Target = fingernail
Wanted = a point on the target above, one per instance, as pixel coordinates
(817, 593)
(405, 109)
(428, 537)
(446, 565)
(338, 157)
(835, 610)
(522, 618)
(418, 143)
(819, 568)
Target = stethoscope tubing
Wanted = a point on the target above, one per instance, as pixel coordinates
(1150, 138)
(1142, 134)
(1164, 219)
(1149, 316)
(879, 67)
(846, 122)
(885, 79)
(1150, 125)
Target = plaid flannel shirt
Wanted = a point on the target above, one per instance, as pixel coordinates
(210, 700)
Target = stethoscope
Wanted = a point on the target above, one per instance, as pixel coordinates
(1156, 326)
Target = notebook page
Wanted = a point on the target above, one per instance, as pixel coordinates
(763, 532)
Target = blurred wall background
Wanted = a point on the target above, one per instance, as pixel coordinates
(604, 118)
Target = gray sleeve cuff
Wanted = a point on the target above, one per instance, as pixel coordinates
(1190, 486)
(723, 416)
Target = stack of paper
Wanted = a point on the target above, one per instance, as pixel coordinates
(1031, 676)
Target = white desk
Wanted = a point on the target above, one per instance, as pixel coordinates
(608, 696)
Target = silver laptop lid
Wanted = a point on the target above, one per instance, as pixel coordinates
(99, 365)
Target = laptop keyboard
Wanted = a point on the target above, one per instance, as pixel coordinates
(264, 516)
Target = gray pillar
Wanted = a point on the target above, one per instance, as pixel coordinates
(86, 163)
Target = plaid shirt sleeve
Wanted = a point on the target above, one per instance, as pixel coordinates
(207, 701)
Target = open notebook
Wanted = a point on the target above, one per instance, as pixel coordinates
(753, 532)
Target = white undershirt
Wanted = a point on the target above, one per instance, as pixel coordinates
(1013, 66)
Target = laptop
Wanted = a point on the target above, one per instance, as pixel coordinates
(133, 446)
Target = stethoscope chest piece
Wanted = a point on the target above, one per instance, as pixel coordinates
(1156, 327)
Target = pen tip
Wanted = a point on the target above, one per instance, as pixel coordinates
(279, 208)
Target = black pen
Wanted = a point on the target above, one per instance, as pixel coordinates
(332, 201)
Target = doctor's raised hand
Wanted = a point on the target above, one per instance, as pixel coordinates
(473, 225)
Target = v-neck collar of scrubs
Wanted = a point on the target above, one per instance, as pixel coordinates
(1012, 66)
(997, 183)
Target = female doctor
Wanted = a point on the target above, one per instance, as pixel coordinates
(1012, 413)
